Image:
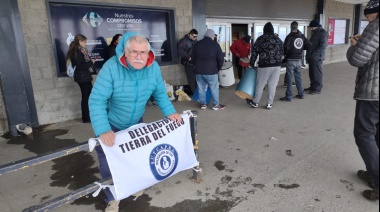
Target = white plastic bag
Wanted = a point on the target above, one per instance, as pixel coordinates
(70, 69)
(170, 91)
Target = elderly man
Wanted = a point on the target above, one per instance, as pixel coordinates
(118, 99)
(315, 56)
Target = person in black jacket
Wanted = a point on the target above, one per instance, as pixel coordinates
(185, 46)
(295, 44)
(208, 59)
(269, 49)
(111, 50)
(315, 56)
(79, 57)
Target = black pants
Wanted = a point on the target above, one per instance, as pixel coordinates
(239, 67)
(85, 88)
(191, 78)
(316, 75)
(366, 132)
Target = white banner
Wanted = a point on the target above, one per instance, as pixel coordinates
(147, 154)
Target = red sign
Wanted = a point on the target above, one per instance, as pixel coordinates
(331, 31)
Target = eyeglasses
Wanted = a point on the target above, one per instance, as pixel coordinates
(194, 36)
(135, 53)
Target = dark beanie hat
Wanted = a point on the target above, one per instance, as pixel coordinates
(268, 28)
(372, 7)
(247, 38)
(314, 23)
(294, 25)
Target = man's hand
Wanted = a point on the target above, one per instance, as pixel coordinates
(237, 55)
(354, 39)
(108, 138)
(175, 117)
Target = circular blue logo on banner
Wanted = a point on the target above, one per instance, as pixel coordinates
(163, 161)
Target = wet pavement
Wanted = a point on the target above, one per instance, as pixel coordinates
(300, 156)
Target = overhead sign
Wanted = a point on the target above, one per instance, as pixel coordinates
(99, 23)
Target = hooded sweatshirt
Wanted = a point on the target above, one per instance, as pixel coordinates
(269, 49)
(294, 45)
(120, 93)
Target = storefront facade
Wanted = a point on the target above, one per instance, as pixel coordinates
(51, 98)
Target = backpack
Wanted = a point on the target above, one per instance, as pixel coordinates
(69, 69)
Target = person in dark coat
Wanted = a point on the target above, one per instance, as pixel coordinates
(80, 58)
(185, 47)
(315, 57)
(364, 54)
(208, 59)
(111, 50)
(294, 45)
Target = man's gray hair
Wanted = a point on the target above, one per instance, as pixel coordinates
(138, 39)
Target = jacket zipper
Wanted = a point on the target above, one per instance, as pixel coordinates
(137, 98)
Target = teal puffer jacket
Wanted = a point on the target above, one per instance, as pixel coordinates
(120, 93)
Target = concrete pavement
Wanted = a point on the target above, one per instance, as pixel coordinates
(298, 157)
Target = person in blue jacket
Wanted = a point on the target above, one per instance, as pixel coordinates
(120, 93)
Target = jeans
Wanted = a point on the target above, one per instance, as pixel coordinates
(85, 88)
(293, 68)
(366, 132)
(212, 81)
(104, 168)
(316, 75)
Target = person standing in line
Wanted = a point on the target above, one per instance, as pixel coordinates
(208, 59)
(364, 54)
(315, 56)
(269, 49)
(111, 50)
(185, 47)
(120, 93)
(241, 48)
(295, 44)
(80, 59)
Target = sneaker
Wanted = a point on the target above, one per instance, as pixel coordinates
(113, 206)
(255, 105)
(249, 102)
(315, 92)
(219, 107)
(269, 106)
(308, 89)
(203, 107)
(366, 178)
(372, 195)
(285, 99)
(300, 96)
